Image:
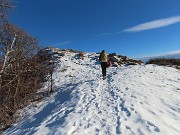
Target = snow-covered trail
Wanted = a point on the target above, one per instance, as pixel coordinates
(141, 100)
(96, 109)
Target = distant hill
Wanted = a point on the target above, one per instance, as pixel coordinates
(171, 55)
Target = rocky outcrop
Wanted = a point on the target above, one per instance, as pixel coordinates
(119, 60)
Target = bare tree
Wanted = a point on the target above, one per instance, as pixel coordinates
(5, 5)
(23, 67)
(18, 66)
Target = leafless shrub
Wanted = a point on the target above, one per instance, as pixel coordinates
(164, 61)
(81, 55)
(5, 5)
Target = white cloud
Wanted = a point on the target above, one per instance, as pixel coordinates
(177, 52)
(172, 53)
(103, 34)
(65, 43)
(62, 43)
(154, 24)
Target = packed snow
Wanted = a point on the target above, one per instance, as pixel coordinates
(133, 100)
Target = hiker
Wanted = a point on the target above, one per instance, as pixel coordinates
(103, 59)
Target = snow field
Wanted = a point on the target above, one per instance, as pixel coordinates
(133, 100)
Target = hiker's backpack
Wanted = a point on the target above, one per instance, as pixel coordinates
(103, 57)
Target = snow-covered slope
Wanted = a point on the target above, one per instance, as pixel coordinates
(133, 100)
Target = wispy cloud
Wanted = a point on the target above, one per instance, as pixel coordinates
(103, 34)
(177, 52)
(62, 43)
(154, 24)
(172, 53)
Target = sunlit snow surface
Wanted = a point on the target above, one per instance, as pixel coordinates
(133, 100)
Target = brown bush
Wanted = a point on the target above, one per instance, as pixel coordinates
(165, 61)
(81, 55)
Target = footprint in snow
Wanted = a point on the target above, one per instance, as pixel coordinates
(141, 102)
(133, 96)
(125, 109)
(132, 109)
(129, 128)
(152, 126)
(118, 130)
(114, 73)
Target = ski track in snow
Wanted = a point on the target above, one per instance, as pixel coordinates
(133, 100)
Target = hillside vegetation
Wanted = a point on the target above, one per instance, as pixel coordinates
(24, 67)
(173, 62)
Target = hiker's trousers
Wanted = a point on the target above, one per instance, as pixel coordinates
(104, 66)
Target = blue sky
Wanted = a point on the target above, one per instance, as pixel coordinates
(135, 28)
